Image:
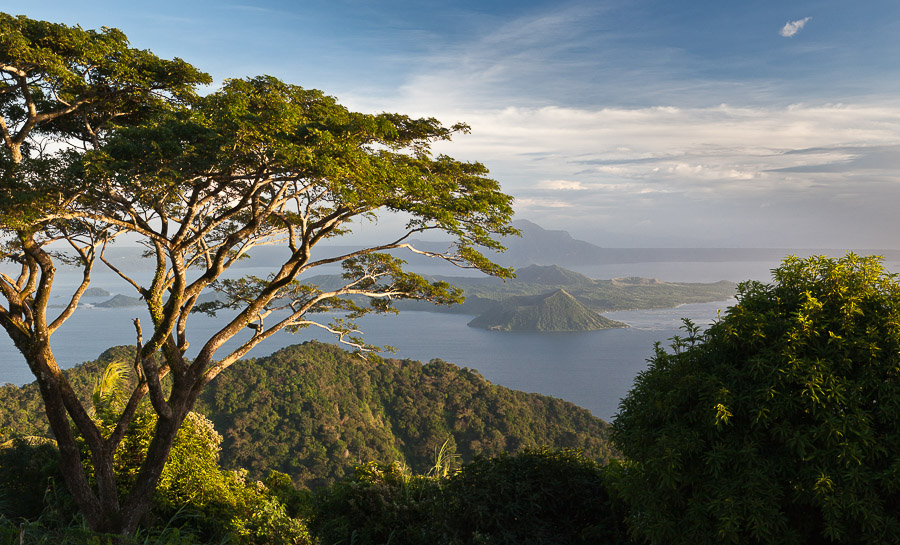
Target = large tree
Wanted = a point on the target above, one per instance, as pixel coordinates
(200, 181)
(779, 424)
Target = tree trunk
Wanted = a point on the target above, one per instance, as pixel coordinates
(51, 385)
(140, 497)
(100, 506)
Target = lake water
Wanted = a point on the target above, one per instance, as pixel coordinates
(591, 369)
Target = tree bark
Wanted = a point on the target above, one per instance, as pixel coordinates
(51, 384)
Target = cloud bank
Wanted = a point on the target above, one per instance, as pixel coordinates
(801, 176)
(793, 27)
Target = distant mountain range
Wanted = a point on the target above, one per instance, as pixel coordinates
(536, 246)
(539, 246)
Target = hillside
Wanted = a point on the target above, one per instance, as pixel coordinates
(551, 275)
(119, 301)
(554, 311)
(314, 411)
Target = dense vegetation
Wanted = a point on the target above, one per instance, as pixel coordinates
(442, 436)
(779, 424)
(511, 500)
(196, 502)
(315, 411)
(537, 497)
(554, 311)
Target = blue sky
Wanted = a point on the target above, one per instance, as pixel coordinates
(634, 122)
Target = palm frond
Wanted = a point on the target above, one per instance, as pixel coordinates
(109, 393)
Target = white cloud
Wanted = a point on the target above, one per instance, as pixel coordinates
(531, 204)
(832, 166)
(792, 27)
(561, 185)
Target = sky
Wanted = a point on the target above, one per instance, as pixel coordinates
(726, 123)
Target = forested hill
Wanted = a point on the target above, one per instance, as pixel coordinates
(314, 411)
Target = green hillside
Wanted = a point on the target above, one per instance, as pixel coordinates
(314, 411)
(554, 311)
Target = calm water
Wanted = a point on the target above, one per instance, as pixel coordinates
(592, 369)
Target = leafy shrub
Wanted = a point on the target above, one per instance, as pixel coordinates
(195, 501)
(216, 503)
(535, 497)
(381, 503)
(29, 475)
(779, 424)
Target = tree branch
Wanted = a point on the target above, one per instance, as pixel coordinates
(152, 374)
(116, 270)
(88, 263)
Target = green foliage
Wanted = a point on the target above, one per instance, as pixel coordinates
(31, 481)
(109, 395)
(314, 411)
(22, 411)
(214, 503)
(381, 503)
(43, 532)
(70, 83)
(195, 500)
(535, 497)
(89, 66)
(779, 423)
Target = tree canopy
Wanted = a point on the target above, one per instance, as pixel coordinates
(779, 423)
(102, 142)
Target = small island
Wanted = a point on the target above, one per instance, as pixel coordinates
(96, 292)
(552, 298)
(121, 301)
(553, 311)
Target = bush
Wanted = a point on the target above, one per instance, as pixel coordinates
(195, 500)
(780, 423)
(30, 481)
(199, 495)
(535, 497)
(381, 503)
